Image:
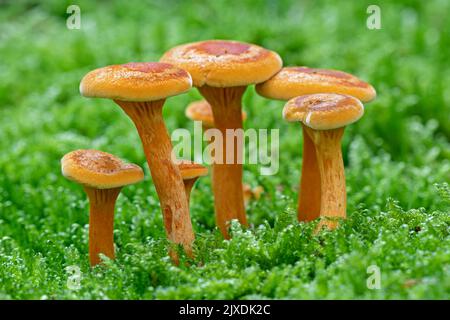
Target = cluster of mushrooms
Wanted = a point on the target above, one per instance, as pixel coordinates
(323, 101)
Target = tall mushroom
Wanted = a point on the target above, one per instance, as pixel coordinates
(222, 70)
(292, 82)
(324, 117)
(102, 176)
(140, 89)
(191, 171)
(201, 111)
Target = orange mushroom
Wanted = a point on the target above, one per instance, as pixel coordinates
(292, 82)
(191, 171)
(324, 117)
(222, 70)
(201, 111)
(102, 176)
(251, 194)
(140, 89)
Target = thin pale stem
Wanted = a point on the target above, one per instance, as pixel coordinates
(309, 193)
(331, 166)
(148, 119)
(101, 222)
(226, 105)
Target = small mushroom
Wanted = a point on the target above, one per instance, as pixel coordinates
(324, 117)
(140, 89)
(247, 189)
(201, 111)
(250, 194)
(222, 70)
(102, 176)
(191, 171)
(257, 192)
(292, 82)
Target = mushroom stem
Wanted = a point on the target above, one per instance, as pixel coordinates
(149, 122)
(101, 222)
(226, 105)
(188, 184)
(332, 177)
(309, 195)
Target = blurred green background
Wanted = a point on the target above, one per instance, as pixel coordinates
(397, 156)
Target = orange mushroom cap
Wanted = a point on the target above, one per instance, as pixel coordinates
(99, 169)
(324, 111)
(221, 63)
(191, 170)
(136, 81)
(291, 82)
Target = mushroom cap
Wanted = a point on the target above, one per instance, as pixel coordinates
(201, 111)
(222, 63)
(136, 81)
(324, 111)
(292, 82)
(191, 170)
(99, 169)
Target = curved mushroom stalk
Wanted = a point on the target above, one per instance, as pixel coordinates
(332, 176)
(227, 177)
(149, 122)
(101, 222)
(140, 89)
(310, 189)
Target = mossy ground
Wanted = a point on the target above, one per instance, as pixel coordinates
(397, 156)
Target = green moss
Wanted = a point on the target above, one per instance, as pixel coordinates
(397, 156)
